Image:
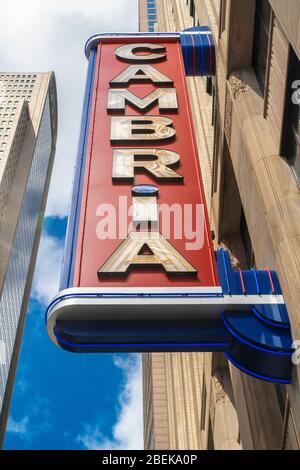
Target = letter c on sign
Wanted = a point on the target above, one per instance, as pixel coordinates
(129, 52)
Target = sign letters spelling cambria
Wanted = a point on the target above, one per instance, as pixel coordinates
(142, 129)
(143, 182)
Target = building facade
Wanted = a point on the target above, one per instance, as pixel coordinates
(28, 129)
(247, 128)
(147, 15)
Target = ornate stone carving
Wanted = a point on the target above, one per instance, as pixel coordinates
(228, 116)
(237, 83)
(218, 383)
(226, 244)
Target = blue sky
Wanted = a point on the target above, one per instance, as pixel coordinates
(68, 401)
(62, 400)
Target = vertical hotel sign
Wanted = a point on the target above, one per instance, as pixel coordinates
(141, 243)
(140, 273)
(143, 220)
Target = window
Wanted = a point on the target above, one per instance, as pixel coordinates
(291, 130)
(261, 41)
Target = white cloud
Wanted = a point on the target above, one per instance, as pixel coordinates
(48, 269)
(21, 387)
(128, 430)
(37, 421)
(18, 427)
(50, 35)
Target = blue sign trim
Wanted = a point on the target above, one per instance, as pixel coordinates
(252, 345)
(198, 51)
(270, 322)
(139, 345)
(67, 274)
(257, 376)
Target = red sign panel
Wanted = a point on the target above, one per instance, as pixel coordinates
(105, 219)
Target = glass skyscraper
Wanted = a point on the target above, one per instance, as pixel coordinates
(28, 128)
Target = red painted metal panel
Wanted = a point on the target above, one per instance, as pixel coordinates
(92, 253)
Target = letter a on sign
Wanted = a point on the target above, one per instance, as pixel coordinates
(159, 252)
(140, 74)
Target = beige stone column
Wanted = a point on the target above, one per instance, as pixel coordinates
(226, 427)
(156, 420)
(165, 18)
(223, 415)
(261, 423)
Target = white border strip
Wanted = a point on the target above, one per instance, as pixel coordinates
(141, 290)
(171, 308)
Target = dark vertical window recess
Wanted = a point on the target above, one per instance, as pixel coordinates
(291, 129)
(209, 86)
(222, 16)
(281, 397)
(261, 41)
(217, 151)
(192, 8)
(203, 406)
(210, 442)
(249, 253)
